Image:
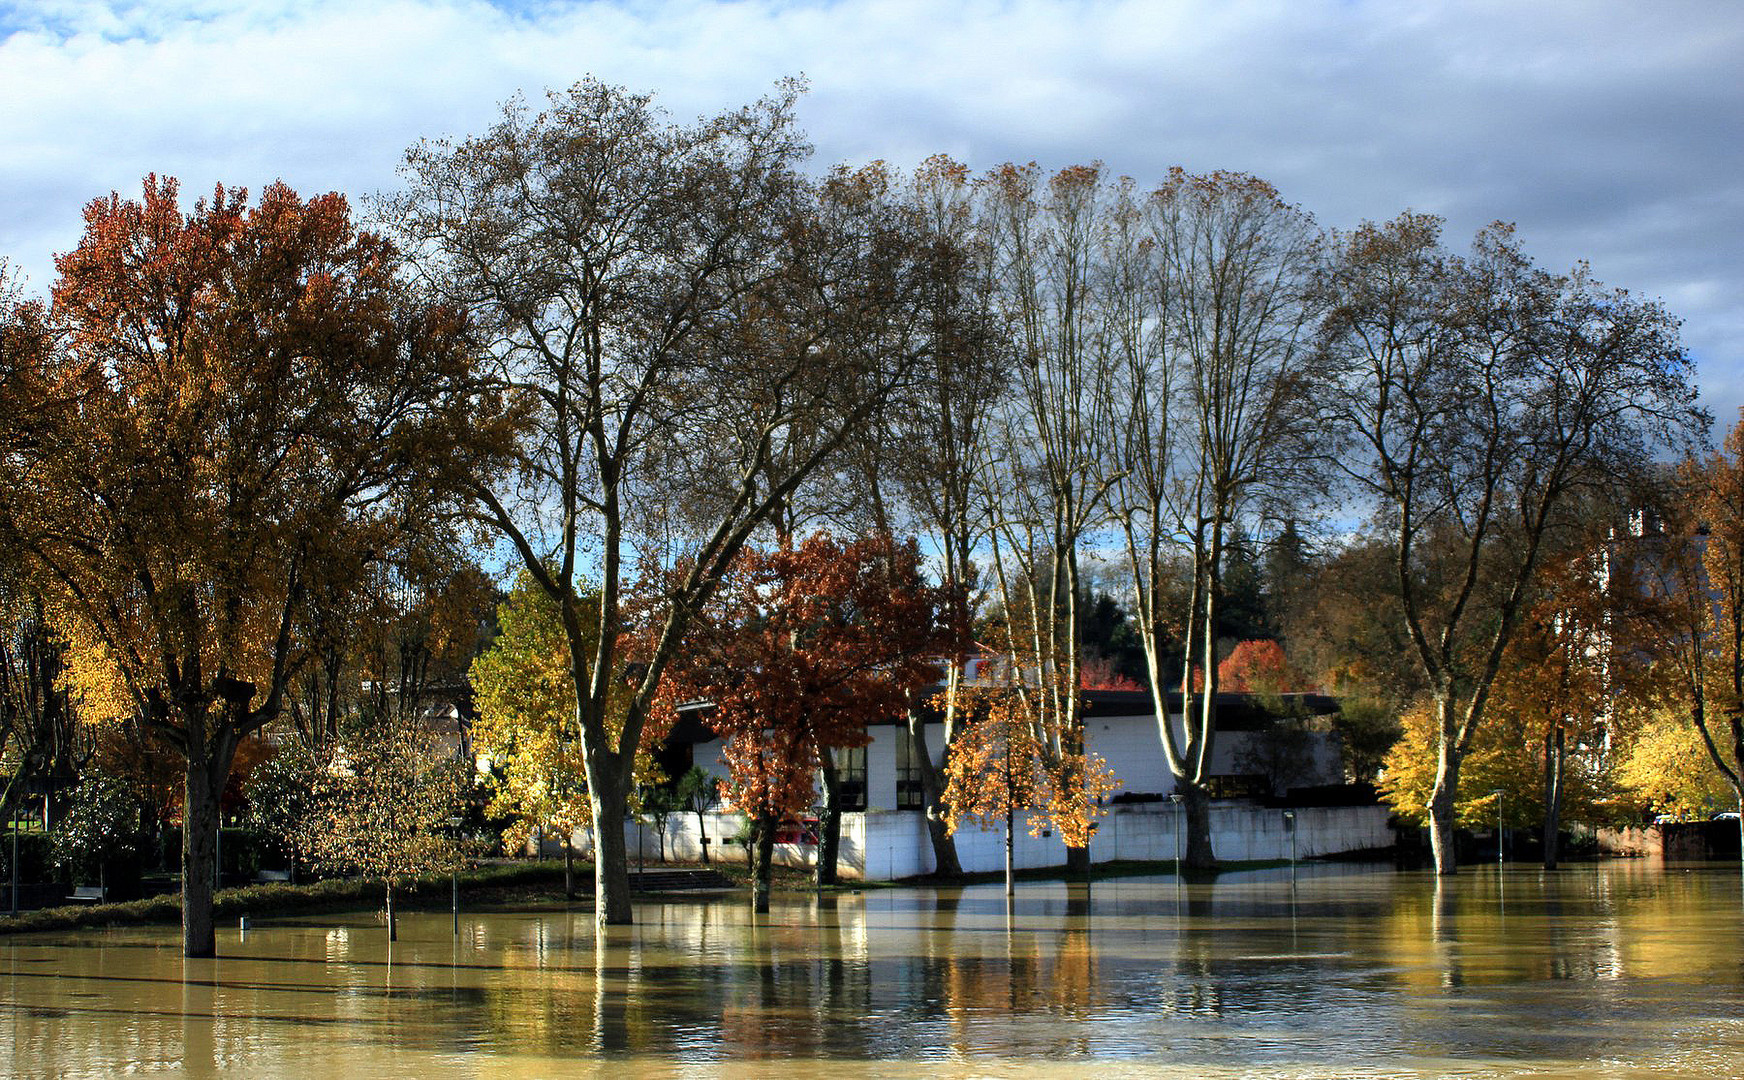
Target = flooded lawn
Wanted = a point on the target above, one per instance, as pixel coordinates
(1625, 969)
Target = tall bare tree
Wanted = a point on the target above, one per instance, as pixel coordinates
(692, 327)
(1207, 285)
(1477, 396)
(1044, 483)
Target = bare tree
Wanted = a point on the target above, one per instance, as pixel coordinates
(692, 329)
(939, 438)
(1477, 396)
(1207, 300)
(1044, 482)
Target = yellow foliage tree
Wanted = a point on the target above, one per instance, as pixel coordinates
(383, 807)
(524, 691)
(1667, 768)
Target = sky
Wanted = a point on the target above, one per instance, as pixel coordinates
(1610, 132)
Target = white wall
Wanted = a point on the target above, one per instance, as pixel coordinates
(885, 845)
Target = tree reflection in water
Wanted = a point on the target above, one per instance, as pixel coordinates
(1349, 972)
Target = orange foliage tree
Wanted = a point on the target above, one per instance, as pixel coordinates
(1258, 667)
(806, 645)
(263, 404)
(1002, 767)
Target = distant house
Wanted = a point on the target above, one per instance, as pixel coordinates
(1257, 752)
(1263, 749)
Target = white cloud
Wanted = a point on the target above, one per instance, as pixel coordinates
(1610, 133)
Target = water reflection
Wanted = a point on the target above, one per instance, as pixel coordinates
(1334, 972)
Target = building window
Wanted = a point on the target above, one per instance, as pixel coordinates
(909, 794)
(851, 777)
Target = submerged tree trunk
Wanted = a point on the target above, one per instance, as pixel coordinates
(1555, 753)
(762, 860)
(611, 861)
(199, 854)
(1196, 813)
(830, 834)
(1078, 861)
(1441, 809)
(1010, 830)
(945, 861)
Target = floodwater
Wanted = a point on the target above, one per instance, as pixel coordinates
(1624, 969)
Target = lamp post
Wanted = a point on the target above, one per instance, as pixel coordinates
(14, 820)
(454, 824)
(1176, 799)
(1290, 827)
(1497, 792)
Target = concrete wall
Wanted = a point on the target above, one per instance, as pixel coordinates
(883, 845)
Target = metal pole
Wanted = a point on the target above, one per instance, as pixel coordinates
(454, 824)
(1499, 834)
(1180, 811)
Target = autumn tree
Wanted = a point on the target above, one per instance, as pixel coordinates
(261, 403)
(1258, 667)
(809, 643)
(995, 771)
(382, 808)
(1478, 397)
(1694, 568)
(999, 771)
(525, 698)
(694, 328)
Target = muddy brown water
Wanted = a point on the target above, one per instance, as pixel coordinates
(1623, 969)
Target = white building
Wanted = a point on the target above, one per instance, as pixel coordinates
(1256, 755)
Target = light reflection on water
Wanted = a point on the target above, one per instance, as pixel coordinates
(1617, 970)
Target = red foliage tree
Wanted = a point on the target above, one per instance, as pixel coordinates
(1258, 667)
(806, 645)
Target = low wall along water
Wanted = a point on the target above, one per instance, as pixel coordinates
(887, 845)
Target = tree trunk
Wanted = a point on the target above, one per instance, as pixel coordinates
(1078, 862)
(945, 861)
(762, 860)
(199, 854)
(1441, 818)
(702, 836)
(830, 837)
(611, 860)
(1010, 828)
(1555, 753)
(1196, 818)
(568, 865)
(393, 923)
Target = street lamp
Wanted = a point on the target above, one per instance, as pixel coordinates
(14, 817)
(1290, 827)
(454, 824)
(1176, 799)
(1497, 792)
